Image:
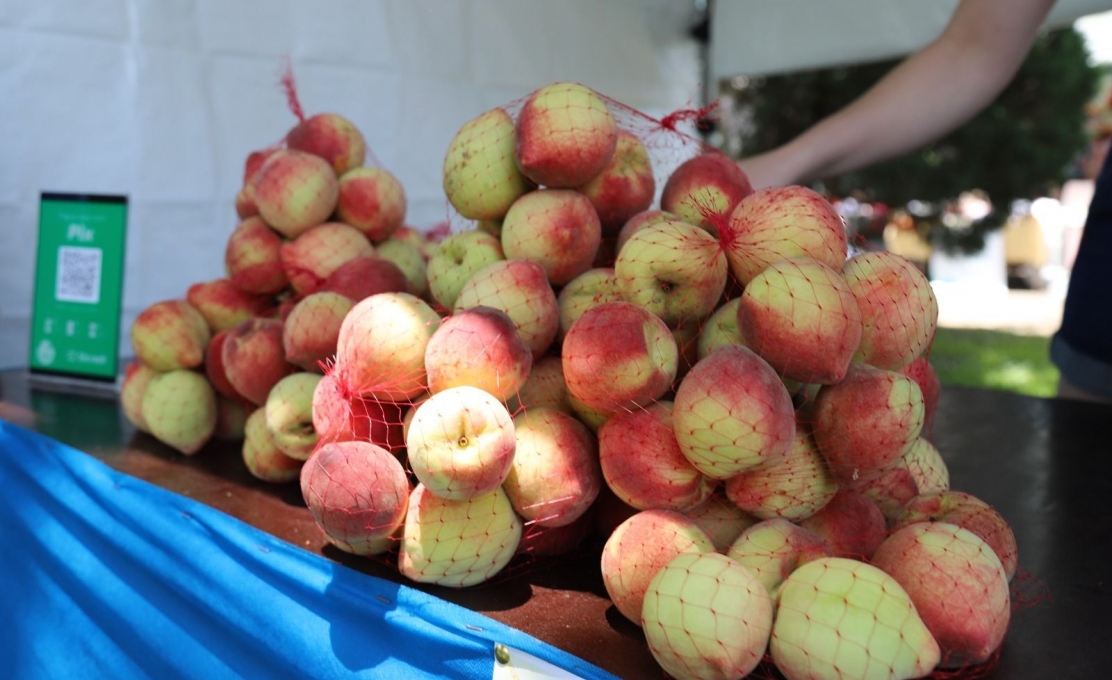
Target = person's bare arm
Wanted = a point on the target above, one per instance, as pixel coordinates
(932, 92)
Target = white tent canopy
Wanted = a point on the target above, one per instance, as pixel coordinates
(765, 37)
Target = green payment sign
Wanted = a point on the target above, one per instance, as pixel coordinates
(78, 285)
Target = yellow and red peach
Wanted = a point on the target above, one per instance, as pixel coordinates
(295, 191)
(625, 187)
(558, 229)
(480, 176)
(373, 201)
(380, 352)
(357, 493)
(782, 222)
(732, 413)
(867, 421)
(566, 135)
(899, 310)
(957, 584)
(169, 335)
(254, 359)
(554, 476)
(800, 316)
(521, 289)
(704, 190)
(253, 258)
(479, 347)
(619, 355)
(332, 137)
(642, 463)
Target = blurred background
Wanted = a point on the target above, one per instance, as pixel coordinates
(162, 100)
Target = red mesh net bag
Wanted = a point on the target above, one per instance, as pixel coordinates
(611, 340)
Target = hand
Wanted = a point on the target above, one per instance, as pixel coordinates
(769, 169)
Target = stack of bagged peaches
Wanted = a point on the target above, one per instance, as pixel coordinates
(708, 385)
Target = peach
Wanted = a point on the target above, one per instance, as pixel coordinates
(319, 251)
(312, 329)
(722, 520)
(458, 543)
(590, 289)
(231, 418)
(924, 375)
(554, 476)
(957, 584)
(245, 203)
(340, 417)
(779, 223)
(626, 185)
(927, 467)
(254, 360)
(558, 229)
(889, 489)
(480, 176)
(593, 418)
(772, 549)
(521, 289)
(794, 488)
(970, 513)
(850, 524)
(409, 261)
(380, 353)
(214, 366)
(867, 421)
(544, 387)
(461, 443)
(136, 379)
(706, 616)
(639, 221)
(253, 258)
(619, 355)
(732, 413)
(704, 190)
(332, 137)
(295, 191)
(289, 414)
(898, 308)
(479, 347)
(674, 270)
(364, 276)
(457, 259)
(224, 305)
(800, 316)
(639, 548)
(373, 201)
(254, 162)
(721, 328)
(566, 135)
(169, 335)
(262, 458)
(642, 463)
(840, 618)
(179, 408)
(357, 493)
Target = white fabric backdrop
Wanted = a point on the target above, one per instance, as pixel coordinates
(163, 99)
(761, 37)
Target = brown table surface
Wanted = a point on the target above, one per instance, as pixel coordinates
(1046, 465)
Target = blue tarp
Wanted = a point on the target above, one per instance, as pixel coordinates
(103, 575)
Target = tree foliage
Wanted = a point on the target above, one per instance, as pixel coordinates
(1022, 146)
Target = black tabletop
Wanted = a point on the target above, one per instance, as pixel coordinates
(1046, 465)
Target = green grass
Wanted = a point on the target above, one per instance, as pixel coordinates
(995, 360)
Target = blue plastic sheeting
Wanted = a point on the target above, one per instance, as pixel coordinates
(103, 575)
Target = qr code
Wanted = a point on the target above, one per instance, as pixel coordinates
(78, 274)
